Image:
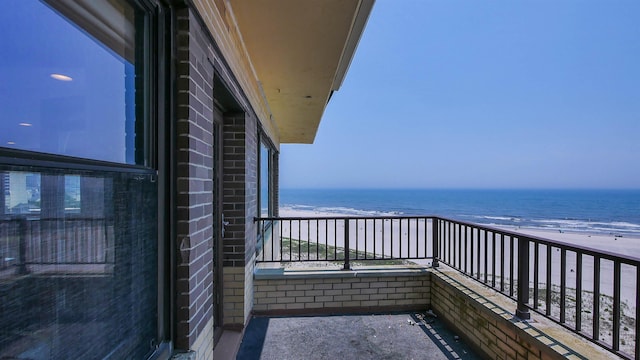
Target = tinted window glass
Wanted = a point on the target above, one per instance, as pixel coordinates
(70, 88)
(80, 284)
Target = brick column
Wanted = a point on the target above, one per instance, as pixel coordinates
(194, 170)
(240, 206)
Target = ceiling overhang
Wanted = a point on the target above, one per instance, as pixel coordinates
(300, 52)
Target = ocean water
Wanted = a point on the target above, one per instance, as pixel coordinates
(595, 211)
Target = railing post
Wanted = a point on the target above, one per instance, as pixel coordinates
(22, 246)
(522, 310)
(347, 265)
(435, 242)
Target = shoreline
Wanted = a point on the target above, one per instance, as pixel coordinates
(625, 245)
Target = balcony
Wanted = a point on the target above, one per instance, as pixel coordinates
(509, 295)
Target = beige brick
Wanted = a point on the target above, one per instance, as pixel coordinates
(379, 284)
(395, 296)
(286, 300)
(295, 306)
(304, 299)
(333, 304)
(259, 307)
(267, 301)
(333, 292)
(266, 288)
(342, 286)
(276, 294)
(414, 296)
(387, 302)
(388, 290)
(304, 287)
(286, 287)
(351, 303)
(295, 293)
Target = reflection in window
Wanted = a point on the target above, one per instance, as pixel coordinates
(66, 88)
(81, 283)
(78, 248)
(21, 192)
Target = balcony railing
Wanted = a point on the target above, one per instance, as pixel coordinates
(591, 292)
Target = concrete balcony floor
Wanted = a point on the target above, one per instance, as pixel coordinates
(380, 336)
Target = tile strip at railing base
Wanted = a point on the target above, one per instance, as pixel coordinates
(344, 310)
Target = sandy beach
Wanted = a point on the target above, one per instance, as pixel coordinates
(411, 239)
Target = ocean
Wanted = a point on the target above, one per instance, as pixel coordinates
(593, 211)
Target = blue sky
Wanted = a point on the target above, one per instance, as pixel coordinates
(483, 94)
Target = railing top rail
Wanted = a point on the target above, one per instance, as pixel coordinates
(343, 217)
(604, 254)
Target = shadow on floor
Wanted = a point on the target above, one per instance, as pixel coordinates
(379, 336)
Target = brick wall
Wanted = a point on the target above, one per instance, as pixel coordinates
(240, 207)
(194, 170)
(324, 292)
(485, 320)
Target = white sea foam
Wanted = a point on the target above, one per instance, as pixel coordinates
(340, 210)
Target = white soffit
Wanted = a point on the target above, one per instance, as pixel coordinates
(300, 50)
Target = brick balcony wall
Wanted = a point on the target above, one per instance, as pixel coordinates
(309, 293)
(485, 319)
(481, 316)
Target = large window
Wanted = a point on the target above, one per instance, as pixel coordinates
(265, 183)
(79, 239)
(266, 180)
(69, 90)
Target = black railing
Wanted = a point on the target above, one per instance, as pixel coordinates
(591, 292)
(328, 239)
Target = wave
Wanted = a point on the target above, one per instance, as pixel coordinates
(504, 218)
(340, 210)
(565, 224)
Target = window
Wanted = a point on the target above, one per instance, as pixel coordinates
(79, 196)
(265, 181)
(68, 90)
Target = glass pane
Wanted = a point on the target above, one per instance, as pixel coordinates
(78, 284)
(70, 88)
(264, 181)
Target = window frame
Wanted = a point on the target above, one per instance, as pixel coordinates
(157, 106)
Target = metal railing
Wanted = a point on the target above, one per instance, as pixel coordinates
(591, 292)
